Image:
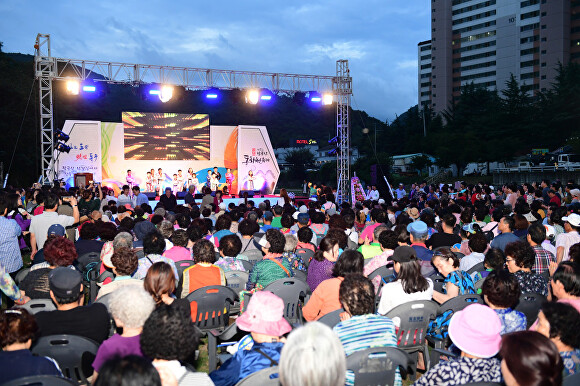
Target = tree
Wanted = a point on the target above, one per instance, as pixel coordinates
(300, 160)
(421, 162)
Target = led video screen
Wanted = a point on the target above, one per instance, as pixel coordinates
(166, 136)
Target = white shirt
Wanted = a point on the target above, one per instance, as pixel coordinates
(566, 240)
(470, 260)
(373, 195)
(393, 295)
(400, 193)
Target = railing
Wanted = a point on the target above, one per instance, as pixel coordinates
(537, 169)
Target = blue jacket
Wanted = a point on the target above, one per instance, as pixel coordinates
(246, 362)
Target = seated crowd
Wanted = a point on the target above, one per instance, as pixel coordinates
(362, 264)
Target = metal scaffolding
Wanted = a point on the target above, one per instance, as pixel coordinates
(49, 68)
(343, 90)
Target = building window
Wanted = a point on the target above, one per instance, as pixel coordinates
(543, 52)
(543, 26)
(543, 77)
(544, 64)
(529, 15)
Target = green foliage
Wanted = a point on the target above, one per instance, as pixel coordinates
(300, 160)
(420, 163)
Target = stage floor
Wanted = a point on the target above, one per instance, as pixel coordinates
(237, 200)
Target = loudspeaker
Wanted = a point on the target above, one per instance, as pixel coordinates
(181, 195)
(150, 195)
(198, 196)
(250, 193)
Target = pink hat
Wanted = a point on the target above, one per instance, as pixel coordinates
(264, 315)
(475, 330)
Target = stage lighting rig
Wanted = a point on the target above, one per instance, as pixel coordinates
(61, 147)
(73, 87)
(252, 97)
(61, 136)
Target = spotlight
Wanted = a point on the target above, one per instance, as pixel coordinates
(333, 140)
(315, 97)
(88, 88)
(266, 96)
(333, 151)
(212, 95)
(73, 87)
(252, 97)
(60, 136)
(327, 99)
(166, 93)
(61, 147)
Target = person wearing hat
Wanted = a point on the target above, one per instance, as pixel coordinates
(419, 232)
(400, 192)
(476, 332)
(70, 316)
(264, 320)
(268, 216)
(565, 240)
(55, 230)
(409, 286)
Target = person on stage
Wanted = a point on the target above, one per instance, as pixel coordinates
(229, 179)
(214, 182)
(217, 174)
(190, 175)
(250, 180)
(174, 184)
(149, 184)
(180, 180)
(208, 179)
(160, 181)
(130, 179)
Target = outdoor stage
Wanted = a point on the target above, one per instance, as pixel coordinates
(237, 200)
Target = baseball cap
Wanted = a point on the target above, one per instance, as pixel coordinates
(573, 219)
(381, 201)
(303, 218)
(575, 192)
(417, 228)
(403, 254)
(64, 282)
(303, 209)
(469, 228)
(56, 230)
(268, 215)
(143, 228)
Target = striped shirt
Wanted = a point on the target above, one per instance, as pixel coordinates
(11, 258)
(365, 331)
(543, 259)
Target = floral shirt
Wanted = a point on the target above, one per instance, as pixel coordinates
(295, 261)
(531, 282)
(571, 361)
(230, 264)
(511, 320)
(7, 285)
(461, 371)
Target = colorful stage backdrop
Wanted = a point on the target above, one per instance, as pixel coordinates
(172, 142)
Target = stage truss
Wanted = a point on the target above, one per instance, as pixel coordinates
(49, 68)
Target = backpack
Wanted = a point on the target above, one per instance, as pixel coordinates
(489, 234)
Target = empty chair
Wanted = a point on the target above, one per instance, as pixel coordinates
(412, 321)
(72, 353)
(332, 318)
(212, 306)
(378, 365)
(293, 291)
(237, 280)
(266, 377)
(253, 255)
(37, 305)
(41, 380)
(529, 304)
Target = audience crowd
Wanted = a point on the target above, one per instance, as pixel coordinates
(361, 262)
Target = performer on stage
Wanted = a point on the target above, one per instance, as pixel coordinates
(130, 179)
(218, 175)
(195, 183)
(180, 180)
(190, 176)
(250, 180)
(214, 182)
(174, 184)
(149, 183)
(229, 179)
(208, 179)
(160, 181)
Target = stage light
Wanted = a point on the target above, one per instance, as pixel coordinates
(327, 99)
(212, 95)
(252, 97)
(166, 93)
(73, 87)
(89, 88)
(315, 97)
(266, 96)
(61, 147)
(333, 151)
(154, 92)
(60, 136)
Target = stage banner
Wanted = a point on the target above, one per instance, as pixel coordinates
(85, 153)
(257, 165)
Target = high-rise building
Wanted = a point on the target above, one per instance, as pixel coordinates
(484, 42)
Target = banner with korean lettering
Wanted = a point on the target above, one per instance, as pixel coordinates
(257, 165)
(85, 153)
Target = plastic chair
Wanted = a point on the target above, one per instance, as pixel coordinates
(21, 275)
(300, 275)
(571, 380)
(95, 279)
(261, 378)
(382, 271)
(237, 280)
(105, 299)
(218, 340)
(306, 255)
(476, 268)
(213, 306)
(529, 304)
(332, 318)
(414, 318)
(248, 265)
(74, 354)
(181, 266)
(437, 282)
(293, 291)
(37, 305)
(378, 365)
(40, 380)
(478, 284)
(253, 255)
